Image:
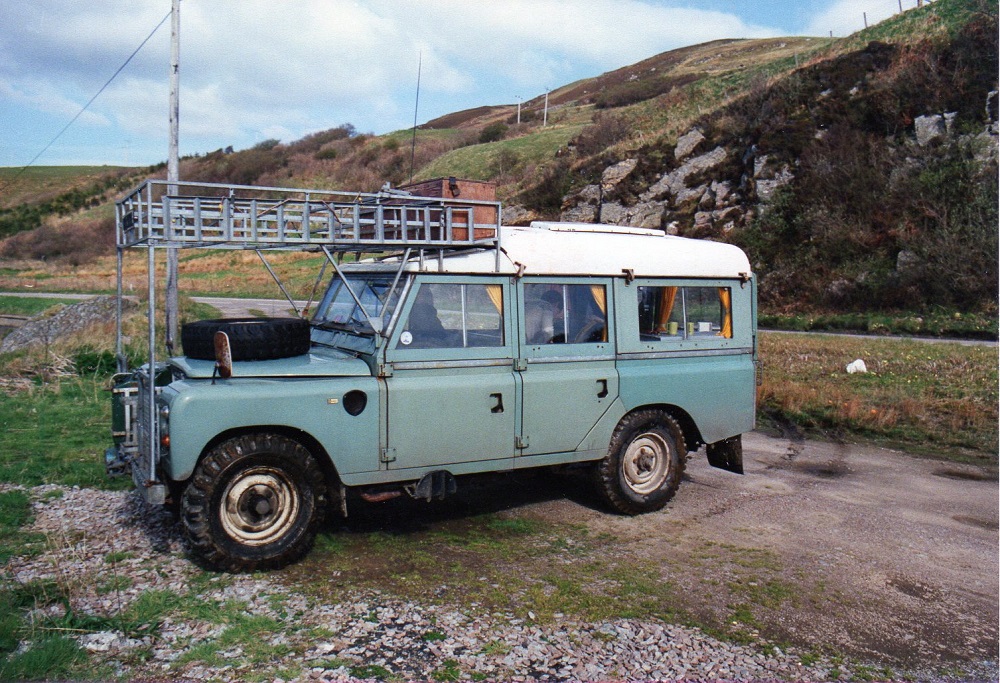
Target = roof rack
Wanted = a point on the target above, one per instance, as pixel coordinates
(224, 216)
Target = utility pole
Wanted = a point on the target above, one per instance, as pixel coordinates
(518, 110)
(545, 113)
(865, 15)
(172, 308)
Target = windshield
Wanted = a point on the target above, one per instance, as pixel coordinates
(339, 310)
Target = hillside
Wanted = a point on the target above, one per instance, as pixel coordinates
(860, 174)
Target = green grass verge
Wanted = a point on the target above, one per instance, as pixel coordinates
(934, 399)
(56, 432)
(30, 306)
(939, 323)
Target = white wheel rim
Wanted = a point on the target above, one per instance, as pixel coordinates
(259, 506)
(646, 463)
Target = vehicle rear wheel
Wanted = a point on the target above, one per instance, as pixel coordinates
(254, 502)
(644, 464)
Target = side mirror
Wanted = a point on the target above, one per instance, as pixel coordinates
(223, 355)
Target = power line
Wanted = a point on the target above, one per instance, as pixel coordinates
(91, 100)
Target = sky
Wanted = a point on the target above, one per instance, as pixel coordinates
(252, 70)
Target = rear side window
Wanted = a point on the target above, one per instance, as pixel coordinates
(565, 314)
(679, 313)
(446, 315)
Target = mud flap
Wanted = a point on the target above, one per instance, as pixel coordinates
(727, 454)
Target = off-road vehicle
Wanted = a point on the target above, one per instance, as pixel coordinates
(445, 345)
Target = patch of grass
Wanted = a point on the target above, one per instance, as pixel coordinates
(55, 433)
(15, 512)
(372, 671)
(448, 671)
(478, 162)
(30, 306)
(46, 659)
(934, 399)
(938, 323)
(117, 556)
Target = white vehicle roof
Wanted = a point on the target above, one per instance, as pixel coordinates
(545, 248)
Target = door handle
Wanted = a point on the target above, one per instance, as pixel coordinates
(603, 383)
(498, 408)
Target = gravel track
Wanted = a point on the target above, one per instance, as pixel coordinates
(908, 547)
(86, 526)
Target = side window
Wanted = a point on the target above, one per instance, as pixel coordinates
(446, 315)
(565, 314)
(678, 313)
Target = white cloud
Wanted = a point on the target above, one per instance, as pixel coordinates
(281, 69)
(845, 17)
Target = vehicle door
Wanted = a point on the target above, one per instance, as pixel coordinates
(567, 360)
(450, 389)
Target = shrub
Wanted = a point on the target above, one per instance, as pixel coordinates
(493, 132)
(74, 242)
(606, 131)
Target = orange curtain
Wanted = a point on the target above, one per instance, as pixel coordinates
(725, 300)
(667, 297)
(495, 293)
(597, 291)
(600, 298)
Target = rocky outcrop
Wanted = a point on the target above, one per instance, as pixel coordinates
(515, 214)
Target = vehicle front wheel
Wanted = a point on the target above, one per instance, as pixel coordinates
(644, 464)
(254, 502)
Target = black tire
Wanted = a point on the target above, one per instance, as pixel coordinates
(249, 338)
(644, 464)
(254, 502)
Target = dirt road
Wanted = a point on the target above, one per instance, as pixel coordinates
(868, 551)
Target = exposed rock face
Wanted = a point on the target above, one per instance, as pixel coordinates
(687, 143)
(69, 320)
(614, 214)
(583, 207)
(675, 183)
(711, 197)
(767, 187)
(516, 214)
(613, 175)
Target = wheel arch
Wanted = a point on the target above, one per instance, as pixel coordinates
(692, 435)
(308, 441)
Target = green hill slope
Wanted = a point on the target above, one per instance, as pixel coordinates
(820, 176)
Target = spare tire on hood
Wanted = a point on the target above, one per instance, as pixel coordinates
(249, 338)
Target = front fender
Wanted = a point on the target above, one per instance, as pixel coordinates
(200, 411)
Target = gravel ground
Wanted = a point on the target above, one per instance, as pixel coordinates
(893, 561)
(330, 641)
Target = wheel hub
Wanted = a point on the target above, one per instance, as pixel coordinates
(646, 463)
(259, 505)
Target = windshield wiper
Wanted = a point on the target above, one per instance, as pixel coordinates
(360, 328)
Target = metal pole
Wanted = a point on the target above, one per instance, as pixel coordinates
(545, 114)
(519, 107)
(120, 362)
(172, 307)
(154, 423)
(865, 15)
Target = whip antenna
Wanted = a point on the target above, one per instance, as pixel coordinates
(413, 144)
